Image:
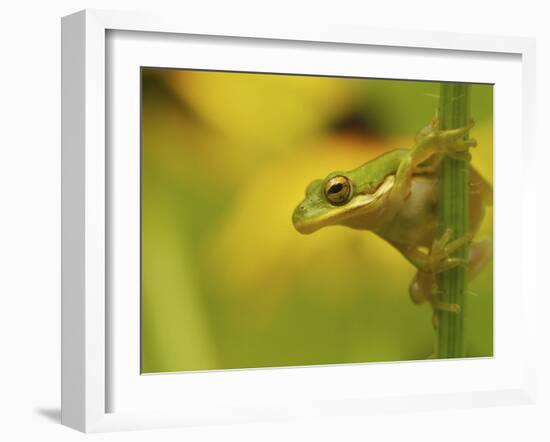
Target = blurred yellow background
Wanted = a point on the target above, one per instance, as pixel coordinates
(226, 280)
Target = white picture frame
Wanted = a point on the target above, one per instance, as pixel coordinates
(88, 322)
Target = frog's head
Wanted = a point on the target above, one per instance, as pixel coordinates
(341, 199)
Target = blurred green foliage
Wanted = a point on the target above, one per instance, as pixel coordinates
(226, 280)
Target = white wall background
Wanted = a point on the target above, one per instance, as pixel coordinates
(30, 220)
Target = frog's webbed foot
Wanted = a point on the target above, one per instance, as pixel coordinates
(460, 151)
(438, 305)
(451, 142)
(423, 289)
(452, 136)
(439, 259)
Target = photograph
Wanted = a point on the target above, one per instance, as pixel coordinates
(293, 220)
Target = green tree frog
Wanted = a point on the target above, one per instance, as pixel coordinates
(395, 196)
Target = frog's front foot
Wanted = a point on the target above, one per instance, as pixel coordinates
(439, 259)
(451, 142)
(461, 150)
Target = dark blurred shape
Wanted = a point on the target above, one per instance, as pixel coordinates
(361, 122)
(155, 88)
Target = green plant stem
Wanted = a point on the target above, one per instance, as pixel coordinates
(453, 208)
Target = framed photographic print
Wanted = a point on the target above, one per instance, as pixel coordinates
(267, 223)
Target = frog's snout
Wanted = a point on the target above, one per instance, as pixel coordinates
(300, 221)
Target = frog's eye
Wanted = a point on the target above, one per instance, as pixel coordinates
(338, 190)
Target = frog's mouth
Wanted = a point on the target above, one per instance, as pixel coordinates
(361, 205)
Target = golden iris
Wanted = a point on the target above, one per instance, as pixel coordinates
(338, 190)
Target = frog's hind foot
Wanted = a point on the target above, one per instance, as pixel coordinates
(446, 307)
(423, 288)
(438, 306)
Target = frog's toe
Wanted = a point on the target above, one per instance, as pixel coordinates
(447, 307)
(448, 263)
(461, 146)
(451, 246)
